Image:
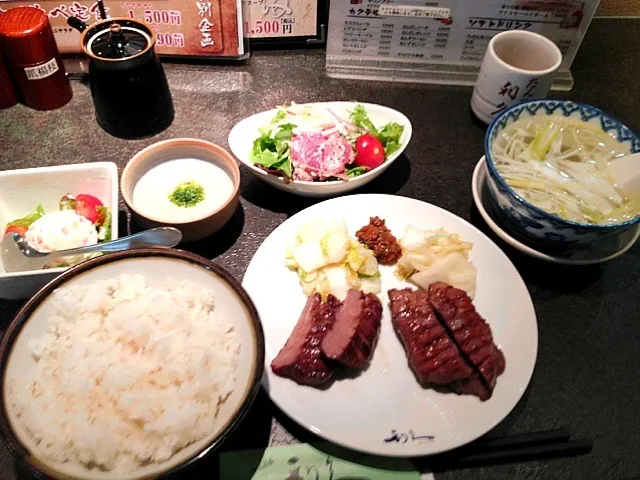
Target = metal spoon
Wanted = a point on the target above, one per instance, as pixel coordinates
(19, 256)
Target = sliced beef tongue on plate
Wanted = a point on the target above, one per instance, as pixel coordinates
(447, 342)
(473, 336)
(301, 358)
(353, 337)
(433, 357)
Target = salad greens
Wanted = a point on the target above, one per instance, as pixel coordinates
(104, 230)
(355, 171)
(103, 218)
(360, 118)
(389, 135)
(27, 220)
(68, 202)
(271, 150)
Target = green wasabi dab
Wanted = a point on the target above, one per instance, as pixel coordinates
(187, 194)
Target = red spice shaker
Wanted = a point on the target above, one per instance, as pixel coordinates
(8, 96)
(32, 57)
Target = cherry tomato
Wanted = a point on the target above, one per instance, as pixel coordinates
(14, 229)
(87, 206)
(369, 151)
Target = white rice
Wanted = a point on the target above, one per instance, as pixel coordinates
(127, 374)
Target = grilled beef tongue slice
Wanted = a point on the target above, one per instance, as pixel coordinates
(354, 334)
(301, 359)
(472, 335)
(433, 357)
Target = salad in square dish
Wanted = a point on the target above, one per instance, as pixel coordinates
(80, 220)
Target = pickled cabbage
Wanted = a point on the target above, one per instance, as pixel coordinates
(328, 261)
(436, 256)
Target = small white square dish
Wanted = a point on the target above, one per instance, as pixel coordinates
(21, 191)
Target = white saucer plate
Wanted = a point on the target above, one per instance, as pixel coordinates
(599, 252)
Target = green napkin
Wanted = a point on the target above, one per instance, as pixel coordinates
(305, 462)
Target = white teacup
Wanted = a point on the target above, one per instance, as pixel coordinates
(517, 66)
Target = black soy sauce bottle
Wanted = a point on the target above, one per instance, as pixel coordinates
(130, 92)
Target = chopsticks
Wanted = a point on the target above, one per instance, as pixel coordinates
(513, 448)
(533, 438)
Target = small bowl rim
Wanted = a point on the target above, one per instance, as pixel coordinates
(496, 175)
(393, 157)
(33, 463)
(531, 35)
(126, 172)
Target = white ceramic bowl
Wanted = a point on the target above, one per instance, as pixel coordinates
(244, 133)
(156, 265)
(22, 190)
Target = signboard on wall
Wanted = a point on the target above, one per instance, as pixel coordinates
(280, 18)
(442, 41)
(285, 22)
(195, 28)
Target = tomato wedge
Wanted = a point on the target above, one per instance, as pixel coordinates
(369, 151)
(87, 206)
(14, 229)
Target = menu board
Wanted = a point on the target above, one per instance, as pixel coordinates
(200, 28)
(280, 18)
(442, 41)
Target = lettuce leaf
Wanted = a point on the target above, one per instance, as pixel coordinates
(389, 135)
(104, 230)
(390, 132)
(68, 202)
(355, 171)
(271, 149)
(285, 166)
(27, 220)
(361, 119)
(281, 115)
(272, 161)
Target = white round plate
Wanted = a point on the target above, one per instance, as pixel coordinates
(599, 252)
(384, 411)
(244, 133)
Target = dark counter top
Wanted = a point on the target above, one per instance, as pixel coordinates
(588, 317)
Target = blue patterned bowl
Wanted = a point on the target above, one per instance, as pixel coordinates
(529, 221)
